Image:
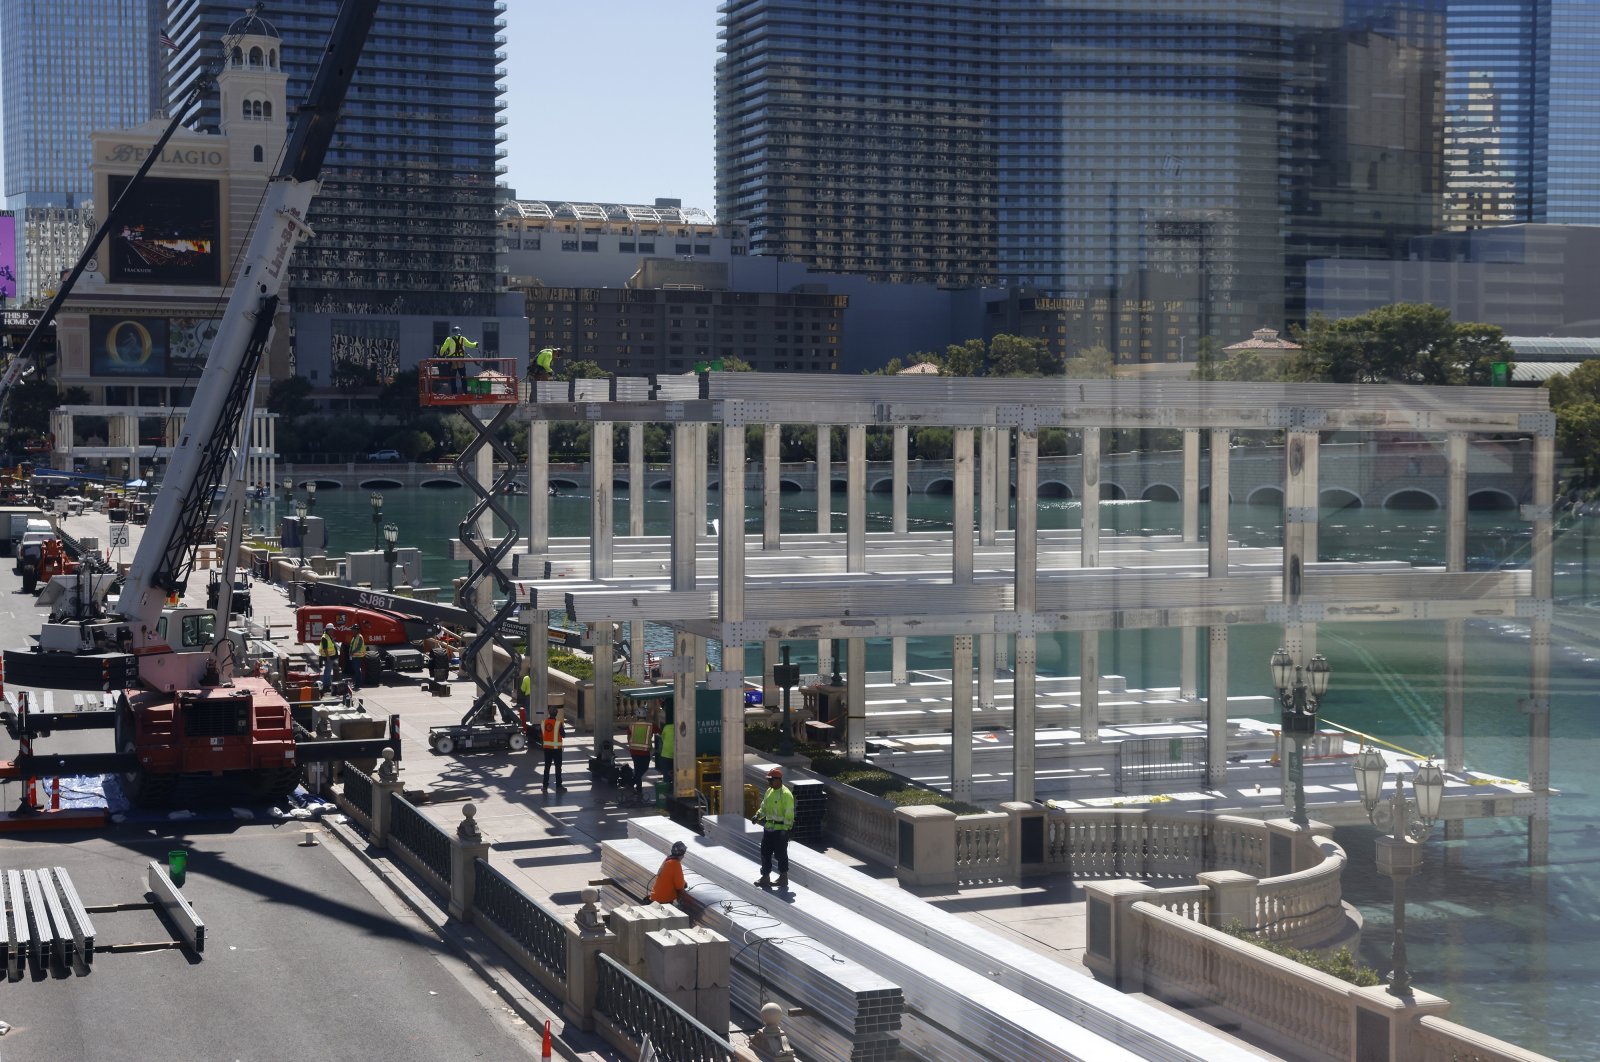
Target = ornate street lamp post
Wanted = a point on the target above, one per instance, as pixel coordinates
(300, 515)
(787, 676)
(1300, 693)
(1399, 854)
(377, 518)
(288, 491)
(311, 497)
(391, 535)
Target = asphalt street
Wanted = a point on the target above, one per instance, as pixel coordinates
(308, 954)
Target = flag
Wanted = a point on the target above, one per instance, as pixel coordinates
(168, 42)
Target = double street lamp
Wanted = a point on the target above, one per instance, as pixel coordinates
(391, 535)
(1300, 693)
(300, 515)
(1400, 854)
(377, 517)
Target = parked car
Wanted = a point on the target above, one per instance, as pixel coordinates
(385, 455)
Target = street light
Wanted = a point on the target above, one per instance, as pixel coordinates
(1300, 693)
(1399, 854)
(288, 491)
(787, 676)
(377, 517)
(300, 515)
(391, 535)
(311, 496)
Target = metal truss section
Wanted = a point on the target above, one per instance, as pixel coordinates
(497, 692)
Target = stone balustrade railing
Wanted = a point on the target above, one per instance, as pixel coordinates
(1139, 940)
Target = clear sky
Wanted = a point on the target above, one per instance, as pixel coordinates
(610, 101)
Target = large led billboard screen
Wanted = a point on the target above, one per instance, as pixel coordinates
(170, 235)
(8, 256)
(127, 346)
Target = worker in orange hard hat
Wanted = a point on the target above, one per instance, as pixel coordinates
(776, 817)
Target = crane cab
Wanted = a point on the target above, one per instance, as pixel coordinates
(467, 381)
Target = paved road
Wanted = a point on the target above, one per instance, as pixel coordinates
(302, 961)
(308, 954)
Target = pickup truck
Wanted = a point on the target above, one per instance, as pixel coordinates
(15, 521)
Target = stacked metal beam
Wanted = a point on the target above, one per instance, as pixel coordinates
(43, 922)
(1068, 993)
(952, 1014)
(848, 1012)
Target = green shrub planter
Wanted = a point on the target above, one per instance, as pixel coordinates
(1340, 964)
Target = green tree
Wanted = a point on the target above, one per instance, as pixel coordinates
(1022, 356)
(963, 359)
(399, 396)
(894, 366)
(291, 397)
(583, 369)
(1401, 343)
(1092, 363)
(1575, 398)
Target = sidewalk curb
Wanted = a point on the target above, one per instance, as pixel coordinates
(472, 950)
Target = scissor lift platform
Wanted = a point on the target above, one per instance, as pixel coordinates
(467, 381)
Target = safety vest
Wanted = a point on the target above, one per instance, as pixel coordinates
(552, 733)
(327, 647)
(639, 737)
(358, 646)
(777, 808)
(546, 359)
(669, 737)
(455, 347)
(527, 685)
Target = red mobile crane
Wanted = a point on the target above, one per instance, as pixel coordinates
(178, 712)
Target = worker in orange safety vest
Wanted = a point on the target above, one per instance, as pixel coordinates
(550, 741)
(641, 743)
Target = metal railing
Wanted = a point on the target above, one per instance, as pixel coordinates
(639, 1011)
(422, 840)
(358, 790)
(520, 917)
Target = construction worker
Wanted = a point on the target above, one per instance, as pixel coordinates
(550, 741)
(776, 817)
(641, 743)
(669, 884)
(328, 650)
(669, 740)
(357, 660)
(527, 695)
(544, 364)
(455, 346)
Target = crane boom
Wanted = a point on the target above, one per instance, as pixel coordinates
(182, 510)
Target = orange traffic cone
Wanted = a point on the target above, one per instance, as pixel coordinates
(544, 1052)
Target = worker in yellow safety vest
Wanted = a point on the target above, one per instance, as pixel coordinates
(669, 741)
(357, 660)
(641, 743)
(544, 363)
(550, 741)
(328, 650)
(776, 816)
(455, 346)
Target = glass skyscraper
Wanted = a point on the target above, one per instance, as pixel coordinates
(71, 67)
(406, 220)
(1166, 167)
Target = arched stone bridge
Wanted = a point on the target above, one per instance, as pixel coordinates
(1410, 475)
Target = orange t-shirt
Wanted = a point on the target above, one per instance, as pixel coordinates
(669, 882)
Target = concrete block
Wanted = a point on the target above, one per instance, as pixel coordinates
(669, 917)
(711, 957)
(683, 997)
(711, 1008)
(628, 924)
(669, 956)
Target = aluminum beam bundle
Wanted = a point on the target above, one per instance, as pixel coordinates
(1063, 991)
(952, 1013)
(849, 1012)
